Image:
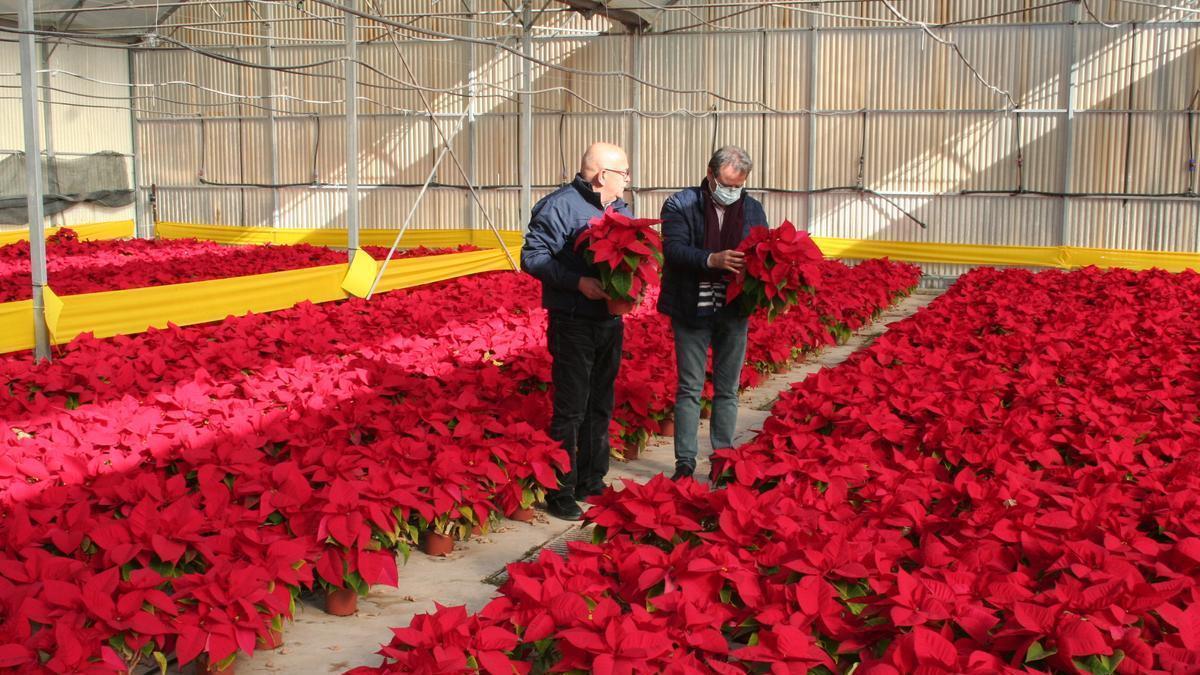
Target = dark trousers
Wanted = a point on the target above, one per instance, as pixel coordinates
(586, 354)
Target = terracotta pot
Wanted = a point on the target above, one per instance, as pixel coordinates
(632, 451)
(437, 544)
(522, 515)
(667, 428)
(202, 666)
(273, 640)
(705, 413)
(476, 530)
(784, 367)
(341, 602)
(620, 307)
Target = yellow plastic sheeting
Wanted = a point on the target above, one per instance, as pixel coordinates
(964, 254)
(16, 325)
(1134, 260)
(361, 275)
(117, 229)
(1061, 257)
(229, 234)
(54, 307)
(417, 271)
(134, 310)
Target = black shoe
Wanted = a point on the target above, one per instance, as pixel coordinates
(581, 494)
(682, 471)
(565, 511)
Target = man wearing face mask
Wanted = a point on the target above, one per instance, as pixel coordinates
(584, 337)
(701, 228)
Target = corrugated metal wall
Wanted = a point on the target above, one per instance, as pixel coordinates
(828, 97)
(89, 113)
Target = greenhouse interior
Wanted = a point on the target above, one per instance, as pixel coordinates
(619, 336)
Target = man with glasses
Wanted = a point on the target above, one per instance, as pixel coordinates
(702, 227)
(584, 337)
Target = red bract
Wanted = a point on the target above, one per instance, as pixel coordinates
(85, 267)
(627, 251)
(1006, 482)
(679, 584)
(780, 264)
(225, 467)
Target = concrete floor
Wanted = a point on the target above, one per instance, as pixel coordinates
(318, 643)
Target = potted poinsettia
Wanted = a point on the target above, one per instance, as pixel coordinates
(780, 264)
(628, 254)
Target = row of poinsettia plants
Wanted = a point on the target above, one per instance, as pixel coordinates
(1008, 481)
(75, 266)
(171, 493)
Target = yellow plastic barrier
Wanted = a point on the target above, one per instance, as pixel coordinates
(417, 271)
(16, 325)
(116, 229)
(228, 234)
(131, 311)
(1059, 257)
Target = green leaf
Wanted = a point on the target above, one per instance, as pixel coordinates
(161, 659)
(1037, 652)
(1098, 664)
(622, 282)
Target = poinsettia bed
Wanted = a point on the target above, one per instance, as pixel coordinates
(171, 493)
(1008, 481)
(75, 266)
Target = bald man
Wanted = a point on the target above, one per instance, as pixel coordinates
(584, 337)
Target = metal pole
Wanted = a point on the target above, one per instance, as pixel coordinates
(52, 184)
(351, 78)
(472, 129)
(141, 227)
(525, 132)
(269, 90)
(635, 124)
(407, 219)
(1071, 77)
(809, 179)
(33, 182)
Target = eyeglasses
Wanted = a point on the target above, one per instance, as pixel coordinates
(625, 174)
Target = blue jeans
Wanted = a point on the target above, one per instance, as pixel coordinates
(728, 339)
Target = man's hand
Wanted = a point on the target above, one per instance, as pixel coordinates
(732, 261)
(590, 287)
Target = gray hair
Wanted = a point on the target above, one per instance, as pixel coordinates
(733, 156)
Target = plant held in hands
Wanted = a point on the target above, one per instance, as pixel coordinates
(780, 264)
(628, 253)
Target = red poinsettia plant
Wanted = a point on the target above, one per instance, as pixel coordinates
(780, 264)
(628, 254)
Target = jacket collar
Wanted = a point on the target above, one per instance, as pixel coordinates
(585, 190)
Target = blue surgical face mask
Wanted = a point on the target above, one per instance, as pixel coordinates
(723, 194)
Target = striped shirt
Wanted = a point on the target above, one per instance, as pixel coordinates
(712, 293)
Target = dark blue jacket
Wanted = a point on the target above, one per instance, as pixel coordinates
(549, 252)
(685, 257)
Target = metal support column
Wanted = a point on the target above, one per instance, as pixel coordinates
(142, 228)
(635, 125)
(52, 185)
(33, 181)
(811, 104)
(1070, 79)
(525, 133)
(268, 85)
(472, 129)
(351, 77)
